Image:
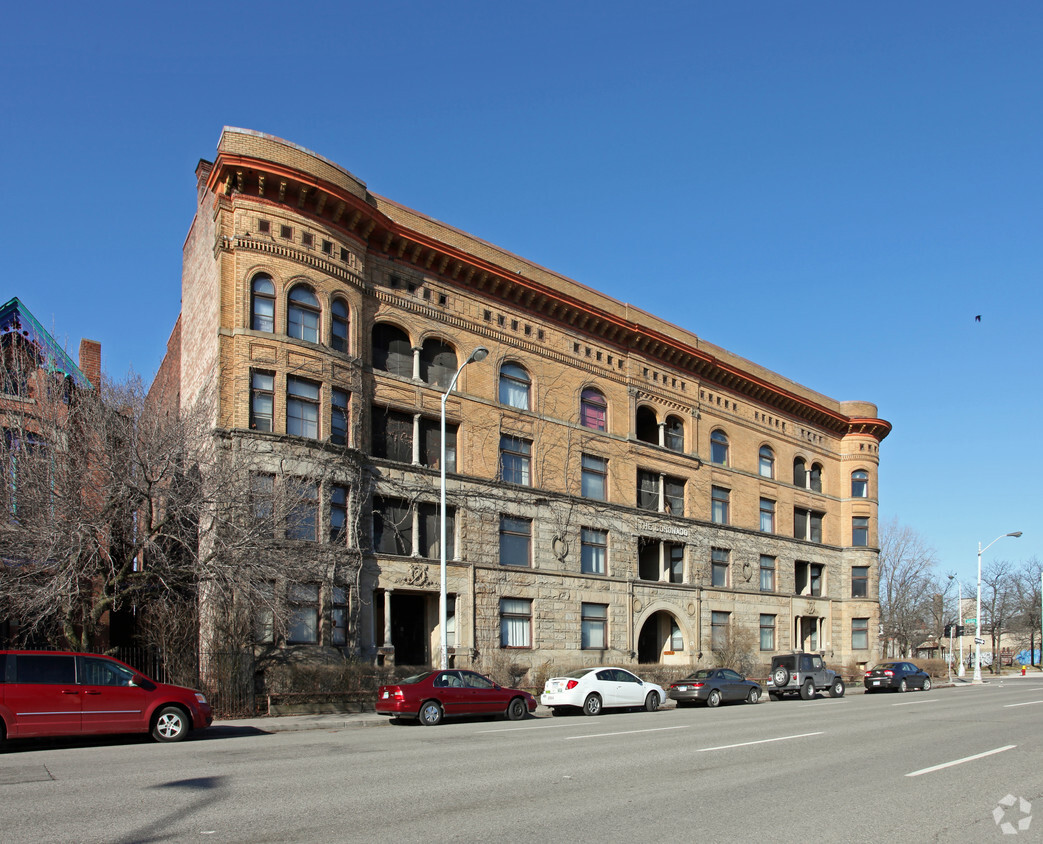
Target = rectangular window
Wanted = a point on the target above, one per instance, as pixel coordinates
(302, 407)
(430, 523)
(515, 623)
(594, 551)
(860, 531)
(264, 226)
(675, 561)
(719, 566)
(767, 573)
(338, 513)
(673, 494)
(515, 461)
(262, 500)
(302, 518)
(286, 232)
(431, 444)
(595, 477)
(767, 515)
(339, 616)
(860, 581)
(767, 632)
(719, 630)
(860, 634)
(807, 524)
(392, 435)
(327, 247)
(594, 626)
(303, 626)
(392, 526)
(648, 490)
(719, 505)
(262, 400)
(515, 541)
(338, 417)
(807, 578)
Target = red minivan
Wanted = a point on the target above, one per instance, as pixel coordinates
(49, 693)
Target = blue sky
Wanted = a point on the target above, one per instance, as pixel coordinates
(833, 190)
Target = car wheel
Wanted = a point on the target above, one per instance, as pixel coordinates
(516, 709)
(554, 710)
(652, 702)
(780, 675)
(902, 686)
(807, 691)
(592, 705)
(837, 689)
(754, 696)
(171, 724)
(926, 684)
(714, 698)
(430, 713)
(774, 696)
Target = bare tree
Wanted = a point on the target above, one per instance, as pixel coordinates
(998, 603)
(908, 584)
(1028, 607)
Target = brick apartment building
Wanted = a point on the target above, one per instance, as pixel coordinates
(619, 490)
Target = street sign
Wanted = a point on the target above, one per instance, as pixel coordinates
(970, 621)
(978, 641)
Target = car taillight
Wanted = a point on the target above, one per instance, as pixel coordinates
(697, 685)
(571, 684)
(868, 673)
(889, 673)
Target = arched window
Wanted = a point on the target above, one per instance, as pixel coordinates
(391, 350)
(800, 473)
(514, 386)
(719, 447)
(593, 410)
(766, 462)
(673, 433)
(647, 425)
(815, 478)
(262, 303)
(339, 326)
(859, 484)
(303, 314)
(437, 363)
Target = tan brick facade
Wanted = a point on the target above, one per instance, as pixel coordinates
(269, 209)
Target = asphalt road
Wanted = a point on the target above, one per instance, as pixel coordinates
(931, 766)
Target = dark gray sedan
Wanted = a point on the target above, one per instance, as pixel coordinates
(714, 686)
(896, 675)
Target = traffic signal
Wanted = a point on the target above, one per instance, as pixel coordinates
(960, 630)
(948, 631)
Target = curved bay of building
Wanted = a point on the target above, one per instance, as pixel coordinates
(618, 490)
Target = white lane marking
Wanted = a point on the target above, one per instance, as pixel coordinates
(934, 768)
(914, 702)
(555, 726)
(1026, 703)
(627, 732)
(759, 741)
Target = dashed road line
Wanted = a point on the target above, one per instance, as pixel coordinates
(934, 768)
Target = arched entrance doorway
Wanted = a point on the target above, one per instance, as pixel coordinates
(660, 636)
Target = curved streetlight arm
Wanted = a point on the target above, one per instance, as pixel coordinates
(977, 611)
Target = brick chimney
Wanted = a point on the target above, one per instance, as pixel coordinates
(90, 361)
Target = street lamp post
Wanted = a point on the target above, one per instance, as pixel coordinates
(977, 619)
(478, 354)
(960, 671)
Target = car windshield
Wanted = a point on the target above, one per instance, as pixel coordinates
(416, 678)
(576, 675)
(702, 674)
(890, 665)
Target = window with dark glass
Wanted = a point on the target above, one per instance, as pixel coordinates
(515, 623)
(800, 473)
(860, 530)
(808, 577)
(339, 616)
(262, 310)
(807, 524)
(719, 560)
(302, 407)
(339, 326)
(646, 425)
(431, 444)
(647, 490)
(430, 526)
(594, 626)
(593, 410)
(766, 462)
(303, 622)
(392, 435)
(860, 581)
(767, 573)
(673, 434)
(594, 551)
(437, 363)
(515, 460)
(594, 477)
(392, 526)
(515, 385)
(303, 315)
(673, 495)
(302, 518)
(815, 478)
(338, 513)
(391, 350)
(338, 417)
(515, 541)
(859, 634)
(262, 500)
(674, 562)
(262, 401)
(719, 630)
(719, 447)
(720, 499)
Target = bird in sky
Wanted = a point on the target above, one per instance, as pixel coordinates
(978, 318)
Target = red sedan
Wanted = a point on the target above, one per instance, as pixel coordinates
(434, 695)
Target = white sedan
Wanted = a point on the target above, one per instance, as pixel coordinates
(594, 689)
